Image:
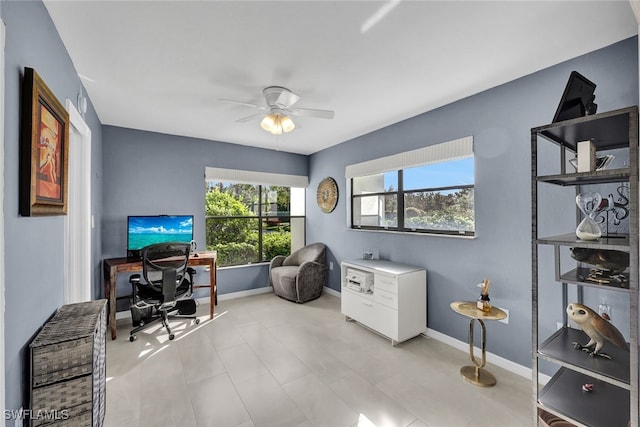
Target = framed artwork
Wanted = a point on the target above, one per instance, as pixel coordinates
(44, 149)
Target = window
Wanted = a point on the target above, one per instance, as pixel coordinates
(248, 223)
(430, 190)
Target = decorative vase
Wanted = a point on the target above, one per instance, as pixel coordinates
(588, 203)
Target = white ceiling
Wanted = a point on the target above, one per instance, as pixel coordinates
(163, 65)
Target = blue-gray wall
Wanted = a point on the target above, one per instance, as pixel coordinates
(148, 173)
(34, 246)
(122, 184)
(500, 120)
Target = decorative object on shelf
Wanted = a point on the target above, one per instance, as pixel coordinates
(327, 194)
(613, 261)
(484, 302)
(598, 329)
(588, 203)
(601, 162)
(609, 265)
(587, 388)
(586, 156)
(44, 149)
(613, 210)
(577, 99)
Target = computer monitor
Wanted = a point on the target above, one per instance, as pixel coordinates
(144, 230)
(577, 99)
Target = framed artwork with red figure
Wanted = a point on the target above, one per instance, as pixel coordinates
(44, 149)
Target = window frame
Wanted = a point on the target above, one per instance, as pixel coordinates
(262, 180)
(453, 150)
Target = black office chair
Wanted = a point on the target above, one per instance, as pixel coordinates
(167, 287)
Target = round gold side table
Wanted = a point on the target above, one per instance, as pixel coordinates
(476, 374)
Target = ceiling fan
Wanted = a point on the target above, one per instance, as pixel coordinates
(276, 115)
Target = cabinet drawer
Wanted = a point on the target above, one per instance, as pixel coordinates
(386, 283)
(358, 307)
(386, 298)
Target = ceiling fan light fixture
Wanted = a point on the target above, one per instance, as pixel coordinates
(277, 124)
(268, 122)
(287, 124)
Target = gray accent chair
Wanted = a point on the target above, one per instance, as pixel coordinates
(301, 276)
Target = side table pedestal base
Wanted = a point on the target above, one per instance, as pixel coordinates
(478, 376)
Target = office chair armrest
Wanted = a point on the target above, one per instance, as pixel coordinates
(191, 270)
(134, 278)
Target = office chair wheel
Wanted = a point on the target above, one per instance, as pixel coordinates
(171, 337)
(132, 338)
(197, 321)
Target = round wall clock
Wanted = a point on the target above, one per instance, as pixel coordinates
(327, 194)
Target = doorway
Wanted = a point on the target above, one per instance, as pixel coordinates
(77, 222)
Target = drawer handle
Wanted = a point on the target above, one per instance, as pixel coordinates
(386, 297)
(368, 304)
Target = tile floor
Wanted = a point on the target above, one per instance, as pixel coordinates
(264, 361)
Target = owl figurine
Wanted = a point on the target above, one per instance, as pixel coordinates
(598, 329)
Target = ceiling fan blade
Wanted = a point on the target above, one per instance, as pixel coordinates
(246, 104)
(286, 99)
(249, 118)
(309, 112)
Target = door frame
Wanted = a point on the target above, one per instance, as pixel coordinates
(2, 247)
(77, 269)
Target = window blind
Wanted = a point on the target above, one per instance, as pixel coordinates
(254, 177)
(450, 150)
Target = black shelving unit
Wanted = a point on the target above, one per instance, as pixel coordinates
(614, 399)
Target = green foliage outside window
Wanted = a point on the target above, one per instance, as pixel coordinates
(233, 225)
(438, 211)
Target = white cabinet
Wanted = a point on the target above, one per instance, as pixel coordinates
(395, 306)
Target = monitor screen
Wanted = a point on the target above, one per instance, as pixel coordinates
(146, 230)
(577, 99)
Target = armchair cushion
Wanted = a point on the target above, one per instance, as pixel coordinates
(301, 276)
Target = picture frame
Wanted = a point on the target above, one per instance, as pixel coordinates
(44, 149)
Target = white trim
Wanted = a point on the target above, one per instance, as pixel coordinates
(635, 6)
(77, 242)
(253, 177)
(450, 150)
(501, 362)
(332, 292)
(242, 294)
(2, 251)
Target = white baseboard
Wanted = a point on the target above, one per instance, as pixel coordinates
(501, 362)
(241, 294)
(332, 292)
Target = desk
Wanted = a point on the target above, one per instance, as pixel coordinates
(476, 374)
(113, 266)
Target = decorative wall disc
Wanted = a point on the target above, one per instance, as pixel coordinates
(327, 194)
